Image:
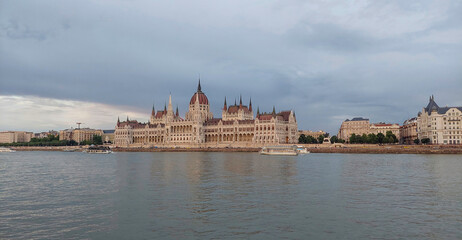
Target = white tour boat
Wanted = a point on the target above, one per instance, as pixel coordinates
(280, 150)
(96, 149)
(4, 149)
(302, 150)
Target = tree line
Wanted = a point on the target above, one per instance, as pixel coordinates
(52, 140)
(371, 138)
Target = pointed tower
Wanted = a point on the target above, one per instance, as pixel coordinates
(153, 112)
(240, 101)
(127, 118)
(170, 114)
(250, 105)
(274, 111)
(118, 121)
(177, 114)
(258, 111)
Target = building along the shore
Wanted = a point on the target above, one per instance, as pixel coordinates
(360, 126)
(237, 126)
(79, 134)
(15, 136)
(442, 125)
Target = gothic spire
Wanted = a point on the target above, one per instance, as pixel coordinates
(250, 105)
(274, 110)
(199, 89)
(153, 112)
(235, 104)
(127, 118)
(165, 107)
(240, 100)
(177, 113)
(258, 111)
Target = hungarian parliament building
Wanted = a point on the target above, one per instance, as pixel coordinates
(237, 127)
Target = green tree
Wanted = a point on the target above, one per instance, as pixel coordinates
(97, 140)
(371, 138)
(310, 139)
(302, 138)
(333, 139)
(426, 140)
(352, 138)
(392, 137)
(320, 138)
(380, 137)
(416, 141)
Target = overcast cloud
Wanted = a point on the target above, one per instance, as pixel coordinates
(327, 60)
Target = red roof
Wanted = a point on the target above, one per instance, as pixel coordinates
(285, 115)
(202, 98)
(160, 114)
(265, 116)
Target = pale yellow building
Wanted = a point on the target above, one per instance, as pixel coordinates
(314, 134)
(357, 125)
(15, 136)
(79, 134)
(360, 126)
(408, 132)
(236, 128)
(442, 125)
(383, 128)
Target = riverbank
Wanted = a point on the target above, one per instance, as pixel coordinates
(313, 148)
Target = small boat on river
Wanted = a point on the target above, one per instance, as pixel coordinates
(98, 149)
(280, 150)
(4, 149)
(302, 150)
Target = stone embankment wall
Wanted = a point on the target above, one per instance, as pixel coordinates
(314, 148)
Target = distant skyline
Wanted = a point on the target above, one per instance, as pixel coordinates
(63, 62)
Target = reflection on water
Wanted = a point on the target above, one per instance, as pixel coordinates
(229, 195)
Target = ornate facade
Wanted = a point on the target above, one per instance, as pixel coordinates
(442, 125)
(360, 126)
(408, 132)
(236, 128)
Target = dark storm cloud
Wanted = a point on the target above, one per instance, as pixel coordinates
(327, 61)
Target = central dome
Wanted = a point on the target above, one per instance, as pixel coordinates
(202, 98)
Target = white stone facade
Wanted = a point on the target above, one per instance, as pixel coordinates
(442, 125)
(236, 128)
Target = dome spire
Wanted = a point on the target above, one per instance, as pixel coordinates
(199, 89)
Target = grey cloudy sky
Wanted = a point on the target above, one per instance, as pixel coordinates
(327, 60)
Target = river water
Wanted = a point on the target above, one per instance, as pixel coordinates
(58, 195)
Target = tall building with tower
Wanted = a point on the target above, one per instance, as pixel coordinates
(237, 126)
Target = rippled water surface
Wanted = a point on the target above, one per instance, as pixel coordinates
(57, 195)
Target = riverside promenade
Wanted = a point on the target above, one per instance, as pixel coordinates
(313, 148)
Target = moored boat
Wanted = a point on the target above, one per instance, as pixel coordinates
(302, 150)
(4, 149)
(280, 150)
(98, 149)
(69, 149)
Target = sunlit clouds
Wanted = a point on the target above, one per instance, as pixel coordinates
(43, 114)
